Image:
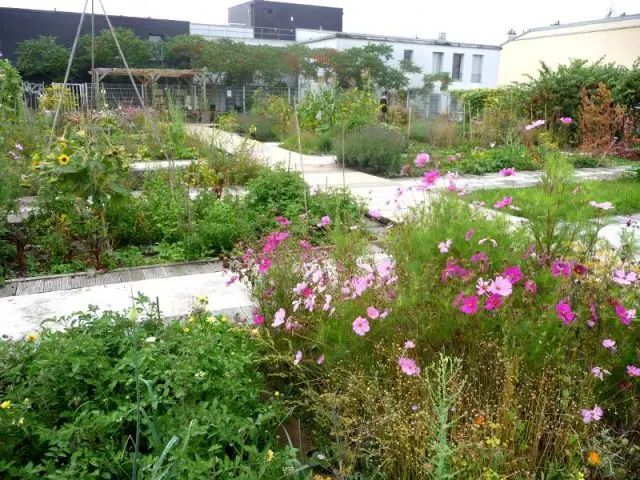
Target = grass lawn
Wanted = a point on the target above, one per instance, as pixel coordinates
(623, 193)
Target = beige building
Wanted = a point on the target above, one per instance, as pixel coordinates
(616, 39)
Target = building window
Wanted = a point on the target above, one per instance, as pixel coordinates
(436, 67)
(155, 38)
(476, 68)
(269, 11)
(434, 104)
(456, 71)
(408, 55)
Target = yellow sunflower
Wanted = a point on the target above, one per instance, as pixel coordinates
(63, 159)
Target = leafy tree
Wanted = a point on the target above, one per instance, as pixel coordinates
(354, 66)
(137, 52)
(42, 59)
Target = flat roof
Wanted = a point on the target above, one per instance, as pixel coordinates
(387, 38)
(87, 14)
(619, 18)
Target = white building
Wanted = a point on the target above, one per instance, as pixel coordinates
(470, 65)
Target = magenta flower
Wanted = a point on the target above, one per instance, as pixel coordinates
(482, 287)
(493, 302)
(599, 372)
(297, 358)
(610, 344)
(625, 316)
(304, 244)
(566, 120)
(360, 326)
(563, 309)
(265, 265)
(451, 159)
(258, 319)
(535, 124)
(531, 287)
(560, 267)
(633, 371)
(469, 235)
(505, 202)
(469, 305)
(580, 269)
(278, 318)
(408, 366)
(530, 251)
(622, 278)
(594, 315)
(320, 360)
(592, 415)
(283, 222)
(444, 246)
(501, 286)
(373, 313)
(514, 274)
(409, 344)
(508, 172)
(430, 177)
(375, 214)
(422, 159)
(384, 314)
(601, 206)
(479, 257)
(324, 221)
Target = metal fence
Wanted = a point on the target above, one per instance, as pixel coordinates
(193, 98)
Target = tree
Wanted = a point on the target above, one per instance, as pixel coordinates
(42, 59)
(355, 65)
(137, 52)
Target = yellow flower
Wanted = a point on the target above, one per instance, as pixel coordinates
(63, 218)
(276, 393)
(186, 329)
(269, 455)
(203, 299)
(223, 319)
(594, 458)
(21, 421)
(32, 337)
(192, 319)
(63, 159)
(6, 405)
(210, 319)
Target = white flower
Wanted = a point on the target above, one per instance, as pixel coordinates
(150, 339)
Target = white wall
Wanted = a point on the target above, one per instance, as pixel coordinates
(238, 34)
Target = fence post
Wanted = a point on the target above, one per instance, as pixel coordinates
(244, 99)
(289, 95)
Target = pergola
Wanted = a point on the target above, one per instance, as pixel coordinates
(147, 75)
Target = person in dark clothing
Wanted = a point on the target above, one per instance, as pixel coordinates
(384, 105)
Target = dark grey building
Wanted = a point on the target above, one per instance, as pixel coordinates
(276, 18)
(17, 24)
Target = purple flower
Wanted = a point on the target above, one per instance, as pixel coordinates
(320, 360)
(429, 179)
(19, 147)
(622, 278)
(324, 221)
(560, 267)
(360, 326)
(580, 269)
(514, 274)
(535, 124)
(283, 222)
(594, 315)
(373, 313)
(470, 233)
(530, 286)
(563, 309)
(610, 344)
(508, 172)
(505, 202)
(482, 287)
(493, 302)
(313, 190)
(592, 415)
(501, 286)
(469, 305)
(297, 358)
(479, 257)
(444, 246)
(601, 206)
(278, 318)
(566, 120)
(408, 366)
(409, 344)
(625, 316)
(422, 159)
(633, 371)
(258, 319)
(375, 214)
(599, 372)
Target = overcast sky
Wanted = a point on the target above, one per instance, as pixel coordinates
(481, 21)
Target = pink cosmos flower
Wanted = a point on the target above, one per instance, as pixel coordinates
(265, 265)
(530, 251)
(601, 206)
(594, 315)
(505, 202)
(479, 257)
(508, 172)
(304, 244)
(373, 313)
(451, 159)
(451, 186)
(599, 372)
(625, 316)
(622, 278)
(610, 344)
(482, 287)
(258, 319)
(313, 190)
(429, 179)
(469, 305)
(300, 288)
(535, 124)
(385, 268)
(324, 221)
(563, 309)
(566, 120)
(592, 415)
(408, 366)
(282, 221)
(560, 267)
(580, 269)
(384, 314)
(422, 159)
(501, 286)
(530, 286)
(360, 326)
(297, 358)
(469, 235)
(278, 318)
(320, 360)
(409, 344)
(633, 371)
(375, 214)
(493, 302)
(514, 274)
(444, 246)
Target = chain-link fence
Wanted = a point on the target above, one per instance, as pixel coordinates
(435, 104)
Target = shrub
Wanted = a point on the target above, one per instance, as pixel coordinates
(258, 127)
(438, 131)
(273, 106)
(49, 101)
(72, 411)
(310, 143)
(374, 149)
